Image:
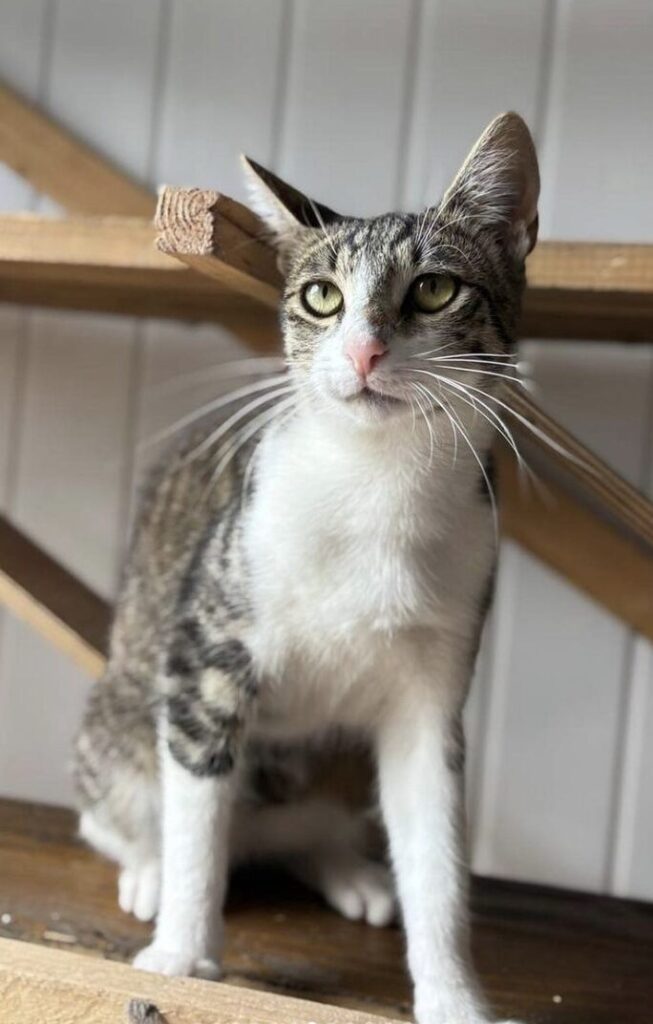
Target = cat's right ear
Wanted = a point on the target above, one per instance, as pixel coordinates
(285, 210)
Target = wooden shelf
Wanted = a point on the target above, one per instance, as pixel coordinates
(530, 944)
(110, 264)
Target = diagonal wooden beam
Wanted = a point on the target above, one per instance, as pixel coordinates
(564, 459)
(59, 164)
(606, 564)
(50, 599)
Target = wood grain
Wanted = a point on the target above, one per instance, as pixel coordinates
(567, 536)
(55, 162)
(563, 457)
(530, 944)
(41, 592)
(220, 238)
(589, 290)
(111, 264)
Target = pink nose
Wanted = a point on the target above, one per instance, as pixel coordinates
(364, 353)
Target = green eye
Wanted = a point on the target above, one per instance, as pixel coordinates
(322, 298)
(432, 292)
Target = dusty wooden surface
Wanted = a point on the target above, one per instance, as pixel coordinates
(545, 956)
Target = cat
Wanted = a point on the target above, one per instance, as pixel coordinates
(322, 574)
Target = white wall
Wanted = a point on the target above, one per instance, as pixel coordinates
(369, 105)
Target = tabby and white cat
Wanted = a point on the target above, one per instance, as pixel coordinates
(325, 577)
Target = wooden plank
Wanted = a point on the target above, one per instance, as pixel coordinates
(62, 166)
(220, 238)
(529, 943)
(575, 464)
(611, 568)
(38, 984)
(110, 264)
(41, 592)
(589, 290)
(600, 290)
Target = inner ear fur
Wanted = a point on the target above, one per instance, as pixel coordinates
(499, 183)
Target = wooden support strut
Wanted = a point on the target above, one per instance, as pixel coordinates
(50, 599)
(62, 166)
(110, 264)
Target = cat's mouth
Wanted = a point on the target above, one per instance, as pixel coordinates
(378, 399)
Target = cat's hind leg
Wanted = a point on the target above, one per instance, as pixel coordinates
(116, 774)
(139, 878)
(322, 843)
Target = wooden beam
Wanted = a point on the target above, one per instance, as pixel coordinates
(608, 566)
(57, 163)
(220, 238)
(592, 290)
(563, 458)
(50, 599)
(111, 264)
(46, 265)
(38, 984)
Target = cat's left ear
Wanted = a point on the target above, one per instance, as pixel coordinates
(498, 186)
(285, 210)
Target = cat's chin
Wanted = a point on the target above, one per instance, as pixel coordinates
(369, 407)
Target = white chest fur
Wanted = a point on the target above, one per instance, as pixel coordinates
(352, 546)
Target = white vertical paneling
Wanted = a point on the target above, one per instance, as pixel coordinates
(68, 492)
(598, 137)
(346, 91)
(72, 456)
(474, 61)
(21, 61)
(12, 324)
(41, 703)
(221, 87)
(631, 864)
(555, 719)
(68, 496)
(220, 97)
(102, 75)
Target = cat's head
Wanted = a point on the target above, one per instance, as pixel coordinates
(372, 308)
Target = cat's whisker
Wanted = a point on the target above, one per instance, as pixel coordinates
(429, 426)
(496, 421)
(216, 435)
(488, 483)
(244, 435)
(482, 373)
(210, 407)
(249, 468)
(237, 368)
(529, 426)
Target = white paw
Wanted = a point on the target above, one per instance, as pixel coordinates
(176, 962)
(360, 890)
(138, 890)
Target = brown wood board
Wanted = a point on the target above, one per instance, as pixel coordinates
(57, 163)
(531, 944)
(41, 592)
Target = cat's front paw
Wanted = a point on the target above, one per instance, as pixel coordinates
(176, 962)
